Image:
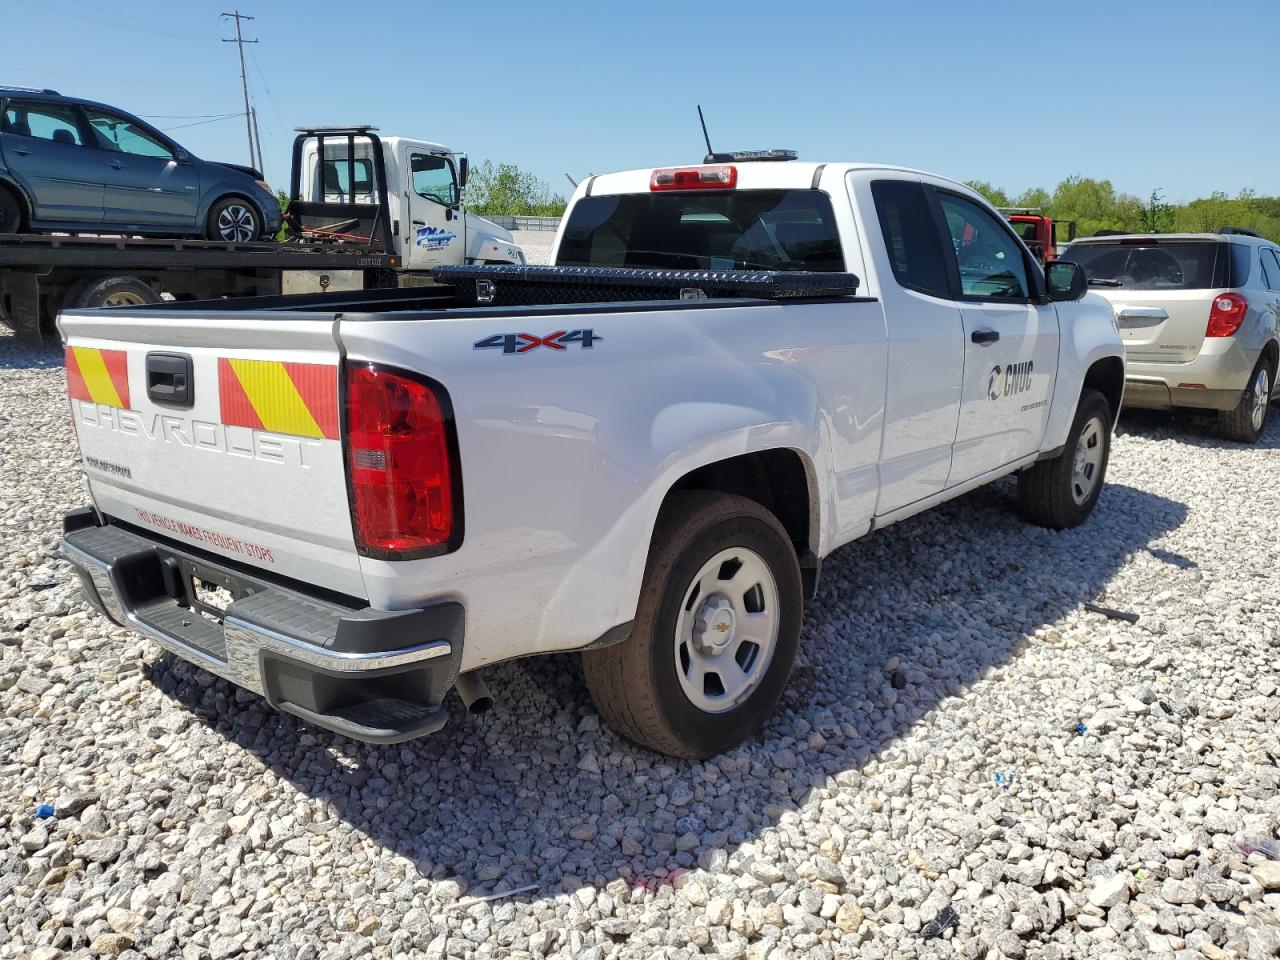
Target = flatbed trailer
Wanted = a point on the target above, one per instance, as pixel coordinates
(40, 274)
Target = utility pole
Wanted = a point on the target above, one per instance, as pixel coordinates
(257, 137)
(239, 41)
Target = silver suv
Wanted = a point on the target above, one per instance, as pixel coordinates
(1198, 313)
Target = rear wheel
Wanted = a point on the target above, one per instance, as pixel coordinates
(10, 212)
(1061, 493)
(233, 220)
(1246, 422)
(715, 633)
(110, 292)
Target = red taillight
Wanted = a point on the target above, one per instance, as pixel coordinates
(694, 178)
(400, 465)
(1226, 315)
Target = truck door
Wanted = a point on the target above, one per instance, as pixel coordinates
(436, 233)
(43, 145)
(926, 351)
(144, 181)
(1010, 342)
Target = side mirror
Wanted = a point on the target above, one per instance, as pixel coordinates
(1064, 280)
(462, 173)
(182, 156)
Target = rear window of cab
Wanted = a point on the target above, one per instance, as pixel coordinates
(705, 230)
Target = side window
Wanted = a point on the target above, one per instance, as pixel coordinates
(911, 236)
(44, 121)
(990, 261)
(434, 179)
(1271, 268)
(1241, 262)
(115, 133)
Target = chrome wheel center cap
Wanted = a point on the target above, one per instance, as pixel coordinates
(713, 625)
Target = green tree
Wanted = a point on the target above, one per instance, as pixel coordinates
(1156, 216)
(993, 194)
(504, 190)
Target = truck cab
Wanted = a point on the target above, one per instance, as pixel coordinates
(350, 185)
(1041, 233)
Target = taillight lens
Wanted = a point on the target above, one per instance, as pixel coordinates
(400, 464)
(1226, 315)
(694, 178)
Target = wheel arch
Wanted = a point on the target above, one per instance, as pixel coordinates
(780, 479)
(1107, 377)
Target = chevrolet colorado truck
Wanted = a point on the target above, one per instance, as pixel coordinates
(353, 502)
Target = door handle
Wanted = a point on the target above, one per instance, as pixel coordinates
(984, 337)
(419, 223)
(21, 152)
(115, 165)
(1143, 313)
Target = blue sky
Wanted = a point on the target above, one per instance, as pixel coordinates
(1017, 92)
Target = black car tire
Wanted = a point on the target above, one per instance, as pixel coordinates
(233, 220)
(109, 292)
(1246, 422)
(1051, 493)
(637, 685)
(10, 212)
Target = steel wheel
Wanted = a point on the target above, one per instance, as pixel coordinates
(124, 298)
(727, 630)
(1087, 463)
(1261, 397)
(237, 223)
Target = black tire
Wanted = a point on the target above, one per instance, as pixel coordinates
(109, 292)
(10, 212)
(636, 686)
(1246, 422)
(233, 220)
(1049, 493)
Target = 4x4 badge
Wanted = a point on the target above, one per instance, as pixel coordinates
(510, 343)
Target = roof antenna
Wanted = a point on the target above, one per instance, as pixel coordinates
(702, 120)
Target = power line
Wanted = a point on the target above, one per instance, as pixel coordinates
(240, 41)
(183, 126)
(130, 26)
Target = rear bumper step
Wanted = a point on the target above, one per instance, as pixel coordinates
(373, 675)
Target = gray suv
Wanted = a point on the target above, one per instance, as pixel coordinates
(75, 165)
(1199, 314)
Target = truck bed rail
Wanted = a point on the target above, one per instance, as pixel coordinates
(515, 285)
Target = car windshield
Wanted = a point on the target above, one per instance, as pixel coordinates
(1148, 265)
(705, 230)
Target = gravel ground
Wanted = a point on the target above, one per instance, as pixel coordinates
(929, 753)
(536, 244)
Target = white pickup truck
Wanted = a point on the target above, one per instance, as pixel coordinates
(351, 503)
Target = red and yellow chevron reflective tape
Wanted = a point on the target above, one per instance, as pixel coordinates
(279, 397)
(98, 376)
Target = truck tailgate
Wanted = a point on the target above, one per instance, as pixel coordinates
(218, 432)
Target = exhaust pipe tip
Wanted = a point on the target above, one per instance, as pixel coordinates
(474, 693)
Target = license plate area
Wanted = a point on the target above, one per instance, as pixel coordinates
(209, 591)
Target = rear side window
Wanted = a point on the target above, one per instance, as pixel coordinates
(1271, 269)
(1241, 264)
(45, 121)
(911, 236)
(1143, 265)
(705, 230)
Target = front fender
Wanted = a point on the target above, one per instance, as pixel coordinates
(485, 247)
(1088, 334)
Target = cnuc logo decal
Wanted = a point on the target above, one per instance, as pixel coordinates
(1009, 381)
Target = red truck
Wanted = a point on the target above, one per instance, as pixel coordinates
(1039, 231)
